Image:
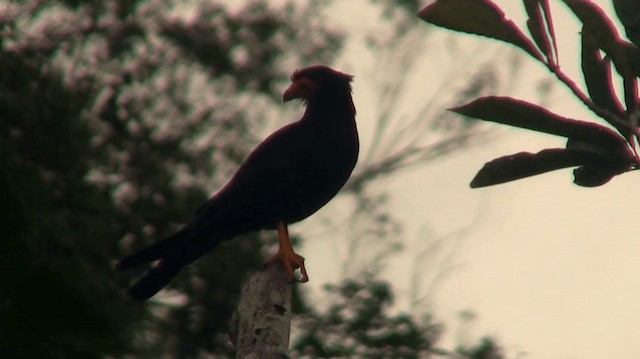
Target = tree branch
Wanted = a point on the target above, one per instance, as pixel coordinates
(264, 315)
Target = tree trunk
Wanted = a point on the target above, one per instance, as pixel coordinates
(264, 315)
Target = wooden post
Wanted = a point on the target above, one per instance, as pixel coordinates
(264, 315)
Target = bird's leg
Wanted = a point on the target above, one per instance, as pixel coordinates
(290, 260)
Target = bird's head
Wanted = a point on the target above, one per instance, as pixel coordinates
(308, 82)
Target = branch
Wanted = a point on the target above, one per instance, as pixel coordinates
(264, 315)
(411, 155)
(607, 115)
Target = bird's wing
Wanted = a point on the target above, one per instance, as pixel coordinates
(279, 165)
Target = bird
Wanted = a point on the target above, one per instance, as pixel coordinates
(289, 176)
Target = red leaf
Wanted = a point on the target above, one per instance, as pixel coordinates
(547, 15)
(629, 14)
(480, 17)
(596, 168)
(525, 164)
(603, 165)
(597, 76)
(634, 54)
(513, 112)
(537, 28)
(607, 38)
(594, 176)
(631, 93)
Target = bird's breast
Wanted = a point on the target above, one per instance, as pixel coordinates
(292, 174)
(322, 172)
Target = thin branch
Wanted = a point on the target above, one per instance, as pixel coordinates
(606, 114)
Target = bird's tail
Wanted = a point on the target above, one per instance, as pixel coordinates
(172, 254)
(155, 279)
(154, 252)
(167, 268)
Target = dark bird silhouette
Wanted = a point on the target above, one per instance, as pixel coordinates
(288, 177)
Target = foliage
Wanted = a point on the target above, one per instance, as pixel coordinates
(48, 260)
(598, 152)
(486, 349)
(358, 324)
(114, 118)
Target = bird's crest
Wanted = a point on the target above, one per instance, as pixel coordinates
(317, 71)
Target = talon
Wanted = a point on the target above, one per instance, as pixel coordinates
(289, 259)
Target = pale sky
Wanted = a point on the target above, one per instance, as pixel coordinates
(552, 270)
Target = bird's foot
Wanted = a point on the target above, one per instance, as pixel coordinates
(290, 262)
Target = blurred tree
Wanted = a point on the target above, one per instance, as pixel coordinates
(358, 324)
(116, 120)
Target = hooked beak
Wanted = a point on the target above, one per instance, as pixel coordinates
(302, 88)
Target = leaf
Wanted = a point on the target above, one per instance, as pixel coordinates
(602, 166)
(598, 23)
(631, 99)
(595, 167)
(631, 85)
(620, 154)
(628, 12)
(518, 113)
(594, 176)
(607, 39)
(479, 17)
(597, 76)
(536, 26)
(525, 164)
(634, 54)
(547, 15)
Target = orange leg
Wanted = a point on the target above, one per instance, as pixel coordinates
(289, 259)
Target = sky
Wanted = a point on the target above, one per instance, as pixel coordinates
(550, 269)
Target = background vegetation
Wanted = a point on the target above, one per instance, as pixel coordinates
(118, 118)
